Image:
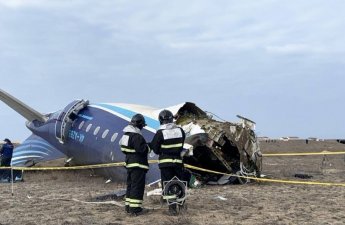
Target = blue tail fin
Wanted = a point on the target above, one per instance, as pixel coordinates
(34, 150)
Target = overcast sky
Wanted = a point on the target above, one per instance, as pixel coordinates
(279, 63)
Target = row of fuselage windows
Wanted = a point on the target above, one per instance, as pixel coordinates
(96, 131)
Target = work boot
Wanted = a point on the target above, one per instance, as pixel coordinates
(173, 210)
(140, 212)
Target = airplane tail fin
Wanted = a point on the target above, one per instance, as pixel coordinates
(26, 111)
(34, 150)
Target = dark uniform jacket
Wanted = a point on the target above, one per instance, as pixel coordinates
(168, 144)
(135, 147)
(7, 151)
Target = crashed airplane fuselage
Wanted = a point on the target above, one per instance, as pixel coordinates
(88, 134)
(220, 146)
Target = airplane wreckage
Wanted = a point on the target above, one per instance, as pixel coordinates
(221, 146)
(87, 134)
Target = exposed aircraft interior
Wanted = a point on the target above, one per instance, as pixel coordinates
(219, 145)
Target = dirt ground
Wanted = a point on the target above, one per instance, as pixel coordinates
(62, 197)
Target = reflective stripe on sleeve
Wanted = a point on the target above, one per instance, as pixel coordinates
(127, 150)
(170, 161)
(172, 146)
(131, 165)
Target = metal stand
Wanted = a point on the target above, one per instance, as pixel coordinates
(12, 180)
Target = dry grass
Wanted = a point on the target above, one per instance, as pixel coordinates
(48, 197)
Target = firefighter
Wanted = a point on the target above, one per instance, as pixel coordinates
(168, 144)
(134, 146)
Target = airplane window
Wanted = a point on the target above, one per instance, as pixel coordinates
(96, 130)
(105, 133)
(113, 138)
(88, 127)
(81, 124)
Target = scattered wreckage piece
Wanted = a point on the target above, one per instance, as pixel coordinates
(221, 146)
(113, 196)
(303, 176)
(341, 141)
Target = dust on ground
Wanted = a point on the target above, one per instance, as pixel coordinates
(61, 197)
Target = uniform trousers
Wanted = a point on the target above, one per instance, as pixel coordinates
(135, 188)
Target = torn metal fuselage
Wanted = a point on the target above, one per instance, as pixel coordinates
(226, 147)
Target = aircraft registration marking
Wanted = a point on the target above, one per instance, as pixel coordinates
(75, 135)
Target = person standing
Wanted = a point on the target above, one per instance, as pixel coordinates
(134, 146)
(168, 144)
(6, 157)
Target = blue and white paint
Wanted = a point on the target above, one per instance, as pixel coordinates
(92, 139)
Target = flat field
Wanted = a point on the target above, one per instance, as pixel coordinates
(63, 197)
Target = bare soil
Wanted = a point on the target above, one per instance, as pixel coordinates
(63, 197)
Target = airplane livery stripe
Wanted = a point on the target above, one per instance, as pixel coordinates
(34, 142)
(34, 149)
(29, 152)
(26, 147)
(28, 156)
(152, 123)
(18, 162)
(39, 142)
